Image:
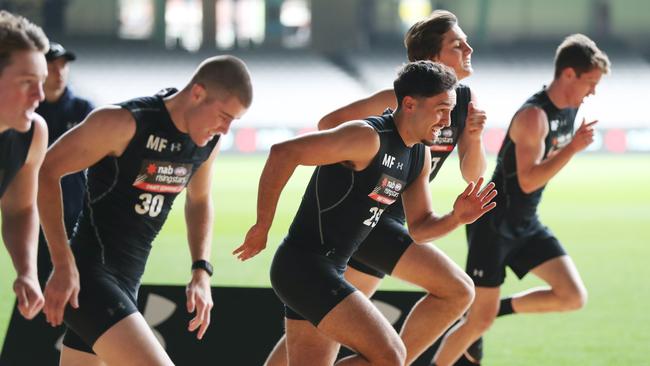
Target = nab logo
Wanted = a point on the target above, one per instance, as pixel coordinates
(388, 161)
(156, 143)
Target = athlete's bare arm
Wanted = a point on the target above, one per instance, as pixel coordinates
(528, 131)
(471, 152)
(199, 215)
(20, 224)
(105, 132)
(353, 143)
(424, 225)
(373, 105)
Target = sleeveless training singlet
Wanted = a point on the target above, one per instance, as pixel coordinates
(517, 210)
(512, 234)
(340, 207)
(14, 147)
(385, 245)
(128, 199)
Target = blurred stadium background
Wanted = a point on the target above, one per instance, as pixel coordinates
(309, 57)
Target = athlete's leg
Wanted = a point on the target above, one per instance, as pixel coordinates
(325, 347)
(479, 319)
(364, 282)
(450, 293)
(73, 357)
(307, 345)
(278, 355)
(356, 323)
(320, 349)
(131, 342)
(566, 292)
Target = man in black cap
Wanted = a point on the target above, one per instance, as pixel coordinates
(62, 110)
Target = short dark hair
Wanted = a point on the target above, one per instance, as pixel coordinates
(580, 53)
(224, 77)
(19, 34)
(423, 41)
(423, 79)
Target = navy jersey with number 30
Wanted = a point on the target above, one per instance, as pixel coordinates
(130, 196)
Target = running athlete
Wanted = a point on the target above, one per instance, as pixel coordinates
(362, 168)
(389, 249)
(62, 110)
(140, 154)
(539, 143)
(23, 141)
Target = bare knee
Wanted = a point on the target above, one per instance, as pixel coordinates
(575, 299)
(392, 356)
(459, 292)
(466, 291)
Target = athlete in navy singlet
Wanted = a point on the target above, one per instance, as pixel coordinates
(23, 141)
(140, 155)
(539, 143)
(362, 167)
(389, 249)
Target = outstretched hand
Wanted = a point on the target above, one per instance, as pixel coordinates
(474, 201)
(254, 243)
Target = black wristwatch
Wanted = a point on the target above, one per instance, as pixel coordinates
(204, 265)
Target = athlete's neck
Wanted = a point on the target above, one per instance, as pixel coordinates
(403, 130)
(174, 104)
(556, 94)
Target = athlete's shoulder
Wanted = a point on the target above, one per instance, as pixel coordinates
(383, 123)
(112, 120)
(530, 122)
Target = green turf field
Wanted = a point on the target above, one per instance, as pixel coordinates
(599, 207)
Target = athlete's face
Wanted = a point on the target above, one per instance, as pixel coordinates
(214, 117)
(456, 52)
(21, 89)
(580, 87)
(57, 78)
(431, 115)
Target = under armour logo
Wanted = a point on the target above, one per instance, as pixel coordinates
(400, 166)
(478, 273)
(176, 146)
(157, 310)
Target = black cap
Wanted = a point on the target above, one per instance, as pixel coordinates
(56, 51)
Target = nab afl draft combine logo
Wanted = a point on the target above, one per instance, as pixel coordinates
(445, 139)
(162, 176)
(387, 189)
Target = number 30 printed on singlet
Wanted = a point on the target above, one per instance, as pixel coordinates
(150, 204)
(374, 219)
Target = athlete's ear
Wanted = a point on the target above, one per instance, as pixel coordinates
(198, 93)
(569, 73)
(409, 103)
